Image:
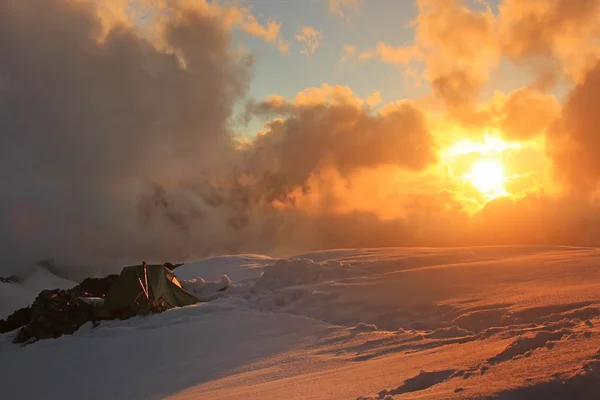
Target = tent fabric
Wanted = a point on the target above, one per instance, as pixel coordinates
(129, 288)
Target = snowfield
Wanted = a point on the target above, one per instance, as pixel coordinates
(513, 322)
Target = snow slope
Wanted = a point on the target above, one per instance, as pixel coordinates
(239, 267)
(502, 322)
(17, 295)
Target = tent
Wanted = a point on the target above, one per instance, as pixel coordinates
(138, 285)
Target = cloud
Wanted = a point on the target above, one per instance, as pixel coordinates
(553, 38)
(122, 151)
(456, 45)
(374, 99)
(351, 52)
(310, 38)
(88, 125)
(396, 55)
(327, 94)
(242, 17)
(341, 7)
(384, 53)
(525, 113)
(459, 45)
(412, 77)
(348, 52)
(573, 140)
(151, 14)
(329, 127)
(118, 146)
(538, 219)
(365, 55)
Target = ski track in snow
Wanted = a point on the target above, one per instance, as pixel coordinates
(493, 322)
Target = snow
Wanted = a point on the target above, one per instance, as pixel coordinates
(12, 297)
(17, 295)
(299, 271)
(362, 327)
(238, 267)
(511, 322)
(148, 357)
(206, 291)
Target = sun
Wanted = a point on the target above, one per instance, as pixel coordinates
(487, 176)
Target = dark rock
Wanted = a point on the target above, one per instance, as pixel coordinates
(55, 313)
(94, 287)
(10, 279)
(102, 314)
(59, 312)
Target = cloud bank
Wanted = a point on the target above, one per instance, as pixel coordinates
(118, 144)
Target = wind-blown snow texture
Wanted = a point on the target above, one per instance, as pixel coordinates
(490, 322)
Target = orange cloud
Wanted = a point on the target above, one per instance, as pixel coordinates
(386, 54)
(365, 55)
(459, 46)
(330, 127)
(340, 7)
(374, 99)
(396, 55)
(348, 52)
(553, 37)
(243, 18)
(159, 12)
(574, 143)
(327, 94)
(412, 77)
(310, 38)
(525, 113)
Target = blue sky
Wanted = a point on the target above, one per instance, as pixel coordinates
(388, 21)
(287, 74)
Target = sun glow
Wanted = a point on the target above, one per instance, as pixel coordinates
(484, 164)
(487, 176)
(489, 144)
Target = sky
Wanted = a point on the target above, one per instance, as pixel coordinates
(328, 63)
(356, 27)
(172, 129)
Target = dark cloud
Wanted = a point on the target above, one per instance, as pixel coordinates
(574, 143)
(88, 123)
(343, 136)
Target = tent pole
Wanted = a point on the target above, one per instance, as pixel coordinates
(146, 279)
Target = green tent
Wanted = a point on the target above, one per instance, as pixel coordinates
(137, 285)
